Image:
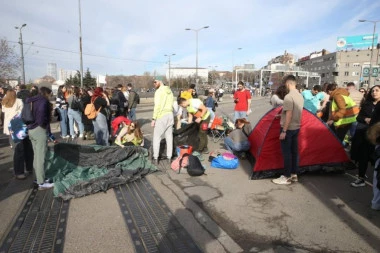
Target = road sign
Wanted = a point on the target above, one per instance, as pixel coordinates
(375, 71)
(365, 71)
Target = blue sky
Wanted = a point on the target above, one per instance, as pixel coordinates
(134, 36)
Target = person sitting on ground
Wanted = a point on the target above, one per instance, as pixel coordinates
(312, 99)
(277, 98)
(130, 135)
(237, 140)
(196, 108)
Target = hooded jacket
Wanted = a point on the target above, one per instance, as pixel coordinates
(41, 112)
(163, 102)
(337, 96)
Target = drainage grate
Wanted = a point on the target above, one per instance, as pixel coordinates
(153, 228)
(41, 225)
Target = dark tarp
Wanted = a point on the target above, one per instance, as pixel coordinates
(82, 170)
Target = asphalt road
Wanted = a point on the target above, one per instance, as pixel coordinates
(321, 213)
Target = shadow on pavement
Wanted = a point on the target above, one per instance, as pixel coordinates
(345, 201)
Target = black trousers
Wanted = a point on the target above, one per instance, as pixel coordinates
(23, 156)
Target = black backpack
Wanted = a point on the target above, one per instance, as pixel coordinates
(76, 104)
(195, 167)
(27, 114)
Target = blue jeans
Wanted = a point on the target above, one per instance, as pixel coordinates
(212, 114)
(132, 114)
(101, 130)
(240, 115)
(376, 192)
(63, 122)
(236, 146)
(289, 148)
(77, 117)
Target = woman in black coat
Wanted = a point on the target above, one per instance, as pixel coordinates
(362, 149)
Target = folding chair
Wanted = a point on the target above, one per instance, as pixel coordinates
(219, 129)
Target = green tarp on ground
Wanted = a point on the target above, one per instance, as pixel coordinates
(82, 170)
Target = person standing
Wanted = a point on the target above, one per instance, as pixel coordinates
(134, 100)
(343, 110)
(290, 126)
(11, 107)
(313, 99)
(23, 93)
(120, 101)
(162, 120)
(38, 133)
(361, 149)
(61, 104)
(277, 98)
(242, 99)
(101, 129)
(74, 111)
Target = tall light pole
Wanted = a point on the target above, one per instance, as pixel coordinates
(232, 74)
(372, 49)
(169, 56)
(22, 52)
(196, 52)
(80, 46)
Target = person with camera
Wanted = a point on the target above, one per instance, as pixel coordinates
(242, 99)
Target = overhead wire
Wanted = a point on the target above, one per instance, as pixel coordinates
(87, 54)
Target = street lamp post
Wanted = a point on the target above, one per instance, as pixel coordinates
(212, 74)
(169, 56)
(196, 52)
(372, 49)
(22, 52)
(232, 74)
(80, 46)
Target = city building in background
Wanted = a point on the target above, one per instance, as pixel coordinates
(184, 72)
(64, 74)
(52, 70)
(343, 66)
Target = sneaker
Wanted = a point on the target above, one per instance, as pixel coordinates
(282, 180)
(66, 137)
(358, 183)
(81, 136)
(73, 136)
(205, 151)
(47, 180)
(294, 178)
(21, 177)
(45, 186)
(155, 162)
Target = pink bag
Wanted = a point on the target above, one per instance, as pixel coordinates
(176, 164)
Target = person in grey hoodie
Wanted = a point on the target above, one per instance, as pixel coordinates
(38, 132)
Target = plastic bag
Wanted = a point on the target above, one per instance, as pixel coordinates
(222, 163)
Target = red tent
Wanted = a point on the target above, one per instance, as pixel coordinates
(318, 145)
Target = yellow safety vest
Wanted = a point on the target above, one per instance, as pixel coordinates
(352, 110)
(197, 113)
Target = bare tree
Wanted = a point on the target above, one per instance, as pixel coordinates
(9, 61)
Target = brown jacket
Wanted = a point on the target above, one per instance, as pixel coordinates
(337, 96)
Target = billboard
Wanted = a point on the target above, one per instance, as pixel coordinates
(356, 42)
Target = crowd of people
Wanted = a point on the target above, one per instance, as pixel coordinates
(29, 139)
(350, 113)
